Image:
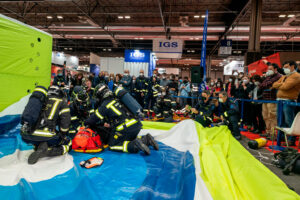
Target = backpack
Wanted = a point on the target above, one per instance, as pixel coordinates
(87, 141)
(288, 160)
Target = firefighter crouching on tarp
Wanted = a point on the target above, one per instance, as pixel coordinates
(80, 109)
(124, 126)
(45, 112)
(165, 106)
(229, 114)
(203, 111)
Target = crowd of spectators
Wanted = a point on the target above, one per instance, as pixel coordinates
(259, 117)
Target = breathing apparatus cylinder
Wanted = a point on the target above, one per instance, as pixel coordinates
(132, 105)
(257, 143)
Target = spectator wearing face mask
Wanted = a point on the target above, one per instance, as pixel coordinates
(243, 92)
(256, 108)
(288, 87)
(212, 86)
(156, 75)
(59, 79)
(173, 86)
(126, 80)
(69, 78)
(141, 86)
(230, 87)
(184, 90)
(269, 93)
(219, 87)
(164, 81)
(99, 79)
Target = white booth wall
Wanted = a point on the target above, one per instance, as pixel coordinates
(113, 65)
(135, 67)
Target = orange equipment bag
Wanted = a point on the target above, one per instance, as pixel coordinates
(87, 141)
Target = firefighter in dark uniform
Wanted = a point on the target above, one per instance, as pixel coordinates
(80, 109)
(151, 96)
(203, 111)
(229, 114)
(165, 106)
(59, 80)
(124, 127)
(48, 140)
(141, 87)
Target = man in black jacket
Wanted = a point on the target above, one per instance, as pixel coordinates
(229, 114)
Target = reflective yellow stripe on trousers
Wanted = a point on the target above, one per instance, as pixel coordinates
(127, 124)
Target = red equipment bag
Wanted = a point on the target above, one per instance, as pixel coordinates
(87, 141)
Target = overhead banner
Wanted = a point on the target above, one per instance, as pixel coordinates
(164, 48)
(234, 66)
(137, 55)
(203, 49)
(225, 48)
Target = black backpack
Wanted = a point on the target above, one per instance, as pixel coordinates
(288, 160)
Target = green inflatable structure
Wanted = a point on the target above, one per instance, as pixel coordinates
(25, 60)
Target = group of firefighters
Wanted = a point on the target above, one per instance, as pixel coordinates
(50, 123)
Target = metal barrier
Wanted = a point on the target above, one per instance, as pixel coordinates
(279, 110)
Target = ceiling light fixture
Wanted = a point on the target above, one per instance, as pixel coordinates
(49, 17)
(203, 16)
(197, 38)
(196, 16)
(281, 16)
(120, 17)
(136, 38)
(193, 51)
(59, 17)
(291, 15)
(91, 37)
(141, 38)
(191, 38)
(104, 49)
(70, 48)
(84, 37)
(127, 17)
(109, 49)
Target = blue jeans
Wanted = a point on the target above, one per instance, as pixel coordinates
(288, 115)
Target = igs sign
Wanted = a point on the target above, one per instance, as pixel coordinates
(137, 55)
(164, 48)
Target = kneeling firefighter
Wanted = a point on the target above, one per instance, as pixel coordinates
(229, 114)
(80, 109)
(203, 111)
(165, 106)
(124, 126)
(42, 133)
